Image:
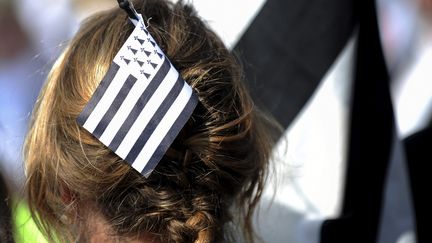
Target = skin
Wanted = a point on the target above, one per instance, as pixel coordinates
(100, 231)
(13, 39)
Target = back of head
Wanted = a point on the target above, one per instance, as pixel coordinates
(214, 170)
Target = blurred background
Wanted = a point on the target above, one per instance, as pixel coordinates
(301, 58)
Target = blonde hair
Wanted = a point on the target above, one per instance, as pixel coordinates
(216, 166)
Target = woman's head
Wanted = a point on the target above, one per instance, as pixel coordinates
(214, 170)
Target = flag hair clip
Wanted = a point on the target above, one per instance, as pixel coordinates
(142, 102)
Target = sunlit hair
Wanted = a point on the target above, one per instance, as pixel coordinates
(213, 173)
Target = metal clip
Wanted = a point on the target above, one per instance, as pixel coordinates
(129, 8)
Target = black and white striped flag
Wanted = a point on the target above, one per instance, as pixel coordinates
(317, 52)
(141, 104)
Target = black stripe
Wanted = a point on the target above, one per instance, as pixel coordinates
(139, 106)
(155, 120)
(171, 135)
(115, 106)
(293, 65)
(97, 95)
(371, 139)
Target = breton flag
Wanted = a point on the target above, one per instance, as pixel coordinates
(322, 75)
(141, 104)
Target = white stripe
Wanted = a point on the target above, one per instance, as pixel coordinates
(106, 100)
(162, 129)
(125, 108)
(228, 30)
(147, 113)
